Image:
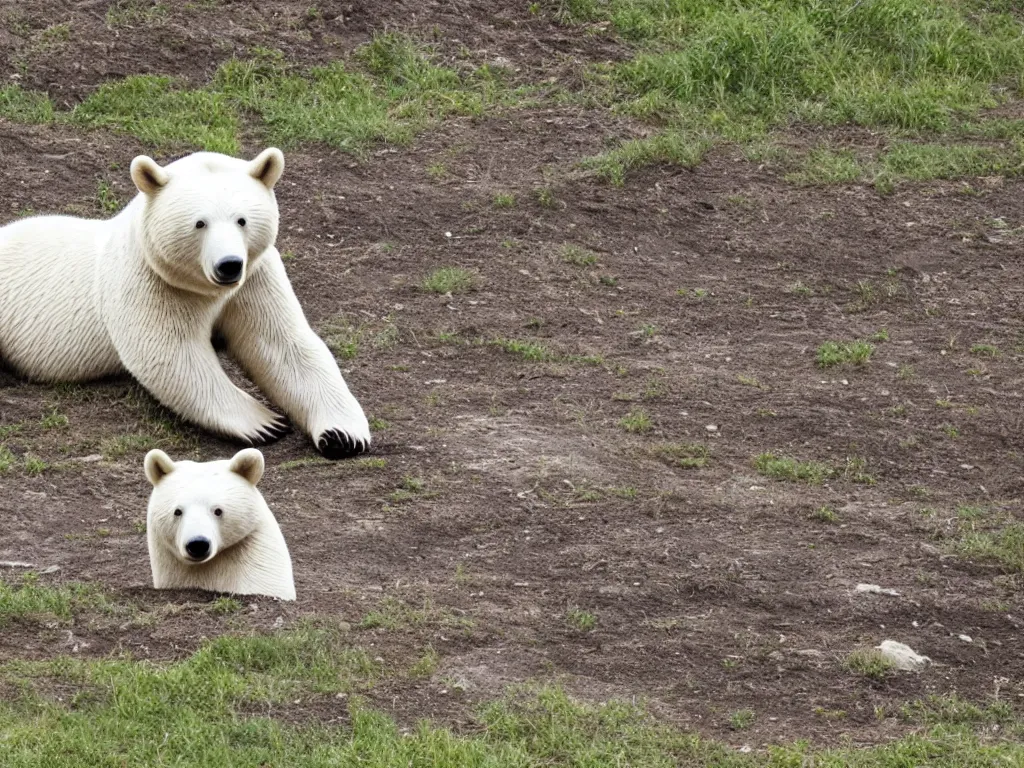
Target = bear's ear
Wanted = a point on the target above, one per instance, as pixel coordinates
(149, 177)
(267, 167)
(158, 465)
(249, 464)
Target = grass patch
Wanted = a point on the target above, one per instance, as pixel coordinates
(113, 448)
(210, 710)
(21, 106)
(33, 601)
(1004, 547)
(448, 280)
(683, 455)
(7, 459)
(577, 255)
(527, 350)
(823, 166)
(580, 620)
(637, 421)
(783, 468)
(707, 71)
(833, 353)
(160, 112)
(869, 662)
(388, 91)
(504, 200)
(825, 514)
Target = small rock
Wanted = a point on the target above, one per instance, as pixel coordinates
(874, 589)
(903, 656)
(966, 638)
(810, 652)
(14, 564)
(711, 428)
(50, 569)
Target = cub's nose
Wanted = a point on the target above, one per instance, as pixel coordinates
(228, 270)
(198, 548)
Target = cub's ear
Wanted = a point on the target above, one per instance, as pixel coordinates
(158, 464)
(149, 177)
(249, 464)
(267, 167)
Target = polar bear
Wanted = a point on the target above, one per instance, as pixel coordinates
(191, 257)
(208, 527)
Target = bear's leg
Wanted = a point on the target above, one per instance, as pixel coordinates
(268, 334)
(186, 376)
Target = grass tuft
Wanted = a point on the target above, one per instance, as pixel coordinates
(833, 353)
(448, 280)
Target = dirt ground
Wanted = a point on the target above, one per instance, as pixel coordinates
(714, 589)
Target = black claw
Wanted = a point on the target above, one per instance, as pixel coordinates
(335, 444)
(271, 433)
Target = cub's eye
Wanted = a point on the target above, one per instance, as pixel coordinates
(177, 512)
(200, 224)
(218, 511)
(241, 222)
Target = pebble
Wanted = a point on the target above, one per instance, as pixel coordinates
(874, 589)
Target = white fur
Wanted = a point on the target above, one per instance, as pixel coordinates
(81, 299)
(247, 552)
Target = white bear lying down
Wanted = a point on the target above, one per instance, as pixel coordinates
(209, 528)
(192, 255)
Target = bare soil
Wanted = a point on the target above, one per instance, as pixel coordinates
(714, 589)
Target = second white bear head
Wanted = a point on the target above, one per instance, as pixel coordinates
(209, 527)
(207, 217)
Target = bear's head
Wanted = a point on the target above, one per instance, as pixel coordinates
(207, 217)
(196, 509)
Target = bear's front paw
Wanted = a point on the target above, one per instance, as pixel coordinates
(337, 444)
(270, 433)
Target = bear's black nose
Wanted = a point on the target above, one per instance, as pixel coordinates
(228, 270)
(198, 548)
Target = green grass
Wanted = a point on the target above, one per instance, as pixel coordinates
(783, 468)
(7, 459)
(637, 421)
(577, 255)
(113, 448)
(683, 455)
(162, 113)
(825, 514)
(705, 71)
(21, 106)
(823, 166)
(213, 709)
(530, 351)
(504, 200)
(388, 91)
(833, 353)
(580, 620)
(1004, 547)
(741, 719)
(869, 662)
(54, 420)
(448, 280)
(42, 603)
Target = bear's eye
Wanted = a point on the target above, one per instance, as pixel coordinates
(218, 511)
(177, 512)
(200, 224)
(241, 222)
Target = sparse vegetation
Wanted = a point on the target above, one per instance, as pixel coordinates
(869, 662)
(833, 353)
(580, 620)
(683, 455)
(637, 421)
(448, 280)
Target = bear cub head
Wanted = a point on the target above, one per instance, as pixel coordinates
(208, 527)
(207, 217)
(198, 510)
